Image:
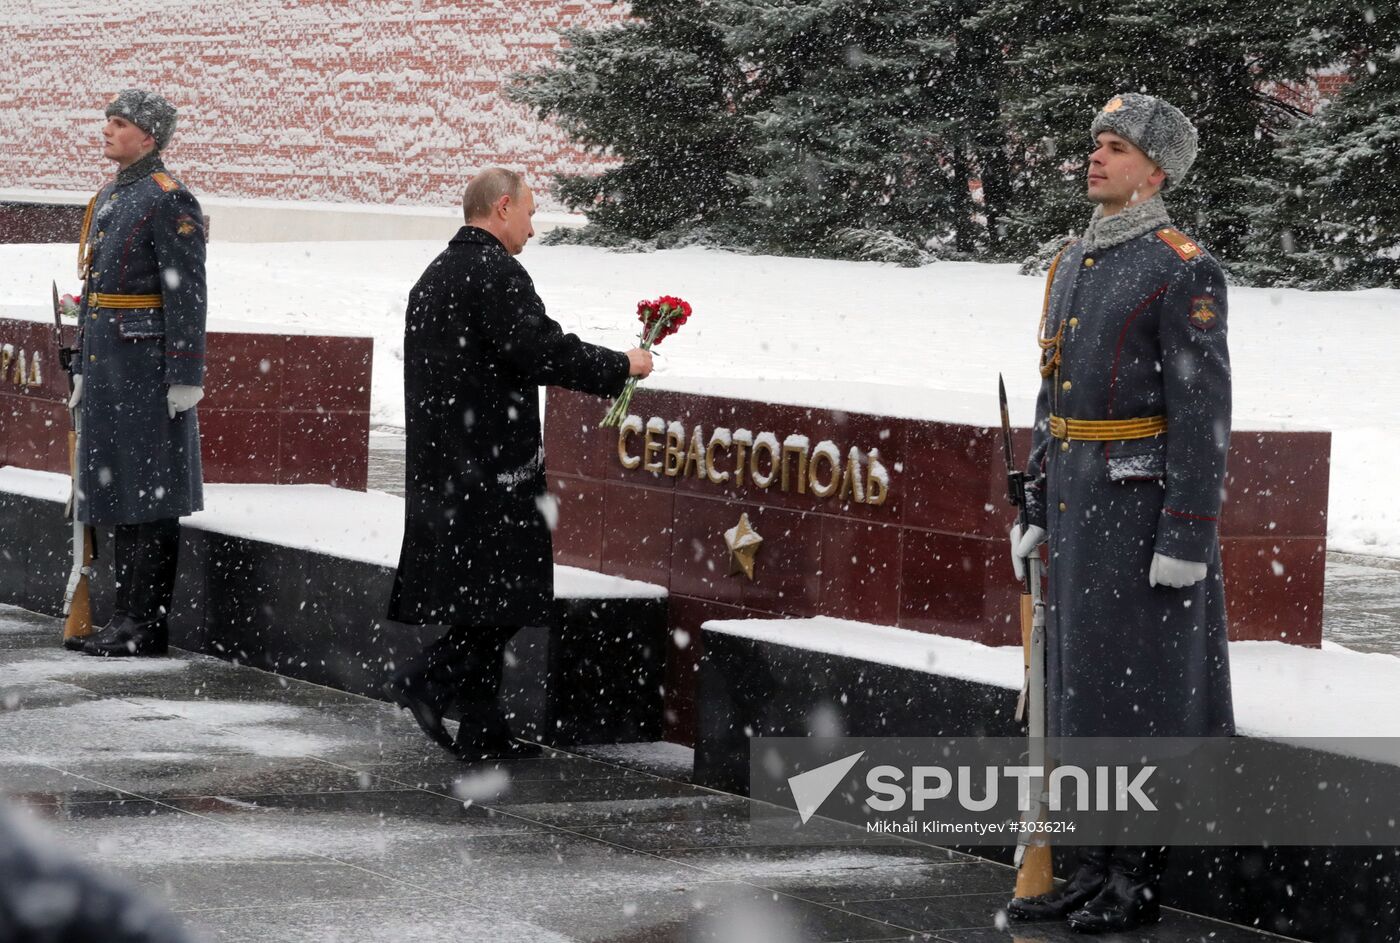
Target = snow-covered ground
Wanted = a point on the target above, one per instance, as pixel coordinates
(863, 336)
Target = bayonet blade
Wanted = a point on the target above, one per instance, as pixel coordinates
(1005, 425)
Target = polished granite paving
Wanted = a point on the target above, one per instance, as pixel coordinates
(270, 810)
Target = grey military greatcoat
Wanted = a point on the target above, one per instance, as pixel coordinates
(1142, 333)
(135, 463)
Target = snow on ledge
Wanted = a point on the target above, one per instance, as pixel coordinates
(354, 525)
(44, 315)
(1281, 691)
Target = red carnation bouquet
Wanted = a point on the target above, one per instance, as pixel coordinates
(660, 319)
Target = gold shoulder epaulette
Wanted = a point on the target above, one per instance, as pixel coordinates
(165, 181)
(1180, 243)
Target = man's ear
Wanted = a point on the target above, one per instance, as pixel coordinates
(1157, 177)
(503, 205)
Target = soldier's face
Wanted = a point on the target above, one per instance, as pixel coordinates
(517, 223)
(1120, 174)
(124, 142)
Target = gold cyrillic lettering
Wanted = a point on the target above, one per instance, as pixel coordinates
(651, 445)
(675, 450)
(820, 488)
(763, 445)
(630, 426)
(800, 451)
(852, 482)
(711, 466)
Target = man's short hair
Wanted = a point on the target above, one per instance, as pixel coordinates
(487, 187)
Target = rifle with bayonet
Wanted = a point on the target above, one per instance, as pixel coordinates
(1034, 869)
(77, 601)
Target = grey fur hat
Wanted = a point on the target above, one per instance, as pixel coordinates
(148, 111)
(1157, 127)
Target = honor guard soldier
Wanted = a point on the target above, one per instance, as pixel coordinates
(140, 371)
(1131, 433)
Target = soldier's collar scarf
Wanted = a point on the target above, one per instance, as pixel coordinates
(150, 164)
(1104, 232)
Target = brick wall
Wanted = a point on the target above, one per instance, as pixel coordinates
(366, 101)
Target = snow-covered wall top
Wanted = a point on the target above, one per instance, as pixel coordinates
(367, 101)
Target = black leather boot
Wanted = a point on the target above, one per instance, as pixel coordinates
(130, 638)
(103, 636)
(484, 734)
(144, 632)
(425, 700)
(1086, 882)
(1131, 897)
(124, 550)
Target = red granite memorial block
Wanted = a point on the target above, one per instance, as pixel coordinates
(637, 539)
(36, 433)
(956, 474)
(240, 445)
(861, 569)
(578, 537)
(586, 449)
(931, 556)
(956, 585)
(701, 564)
(788, 577)
(277, 409)
(243, 371)
(1274, 588)
(329, 374)
(323, 448)
(1277, 484)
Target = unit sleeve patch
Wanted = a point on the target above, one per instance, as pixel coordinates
(1205, 312)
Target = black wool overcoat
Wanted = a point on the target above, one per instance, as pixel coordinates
(477, 347)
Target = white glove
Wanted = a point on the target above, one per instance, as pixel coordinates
(1023, 545)
(180, 398)
(77, 396)
(1168, 571)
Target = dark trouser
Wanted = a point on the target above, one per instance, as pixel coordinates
(144, 560)
(465, 665)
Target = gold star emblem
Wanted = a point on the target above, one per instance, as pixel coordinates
(186, 227)
(1113, 106)
(743, 542)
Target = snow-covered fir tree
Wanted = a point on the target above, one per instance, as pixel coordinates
(870, 120)
(1333, 219)
(1214, 59)
(663, 95)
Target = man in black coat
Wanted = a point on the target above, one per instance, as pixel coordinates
(477, 553)
(141, 371)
